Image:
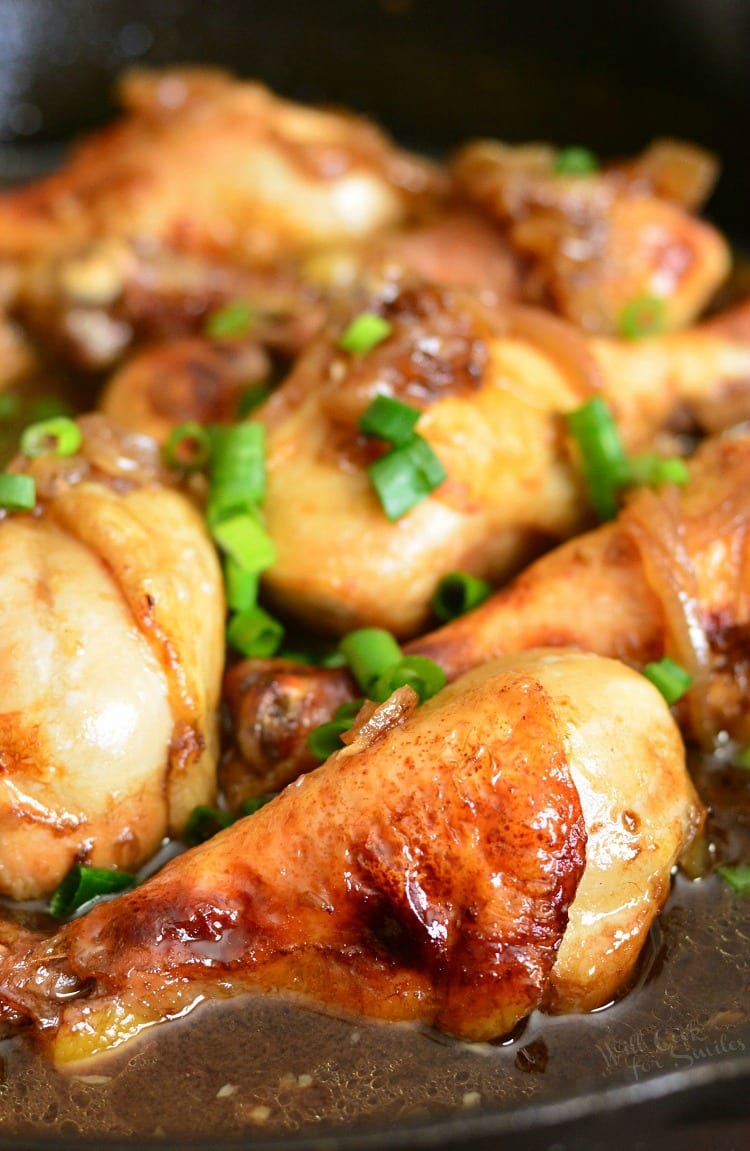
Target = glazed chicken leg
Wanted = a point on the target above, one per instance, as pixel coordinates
(502, 847)
(671, 575)
(493, 391)
(111, 649)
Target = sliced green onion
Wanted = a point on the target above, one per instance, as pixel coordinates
(575, 161)
(58, 436)
(369, 652)
(390, 420)
(238, 466)
(642, 316)
(244, 539)
(671, 679)
(204, 822)
(17, 492)
(250, 806)
(188, 447)
(231, 322)
(10, 406)
(240, 584)
(326, 738)
(737, 876)
(457, 593)
(653, 471)
(364, 333)
(415, 671)
(254, 633)
(82, 884)
(406, 475)
(603, 460)
(252, 398)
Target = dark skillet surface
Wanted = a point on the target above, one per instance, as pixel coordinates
(671, 1066)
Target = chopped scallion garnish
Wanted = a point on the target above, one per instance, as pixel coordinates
(254, 633)
(457, 593)
(238, 466)
(379, 666)
(642, 316)
(250, 806)
(671, 679)
(416, 671)
(406, 475)
(603, 458)
(204, 822)
(605, 466)
(230, 322)
(240, 584)
(575, 161)
(364, 333)
(58, 436)
(737, 876)
(390, 420)
(369, 652)
(653, 471)
(82, 884)
(188, 447)
(324, 740)
(246, 541)
(17, 492)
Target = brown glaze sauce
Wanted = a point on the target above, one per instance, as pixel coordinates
(264, 1065)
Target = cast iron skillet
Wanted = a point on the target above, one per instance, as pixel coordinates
(612, 76)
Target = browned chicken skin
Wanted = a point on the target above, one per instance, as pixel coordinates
(111, 655)
(205, 163)
(493, 385)
(669, 576)
(428, 871)
(601, 242)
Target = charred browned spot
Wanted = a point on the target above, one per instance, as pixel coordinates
(730, 644)
(437, 348)
(630, 821)
(198, 389)
(273, 707)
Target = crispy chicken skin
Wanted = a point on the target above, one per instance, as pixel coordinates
(493, 385)
(436, 869)
(670, 576)
(111, 652)
(202, 162)
(183, 380)
(598, 242)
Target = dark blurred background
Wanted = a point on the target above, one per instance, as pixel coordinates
(607, 74)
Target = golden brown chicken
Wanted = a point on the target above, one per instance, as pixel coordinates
(182, 380)
(504, 846)
(90, 307)
(609, 249)
(202, 162)
(201, 194)
(493, 385)
(111, 649)
(670, 576)
(169, 381)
